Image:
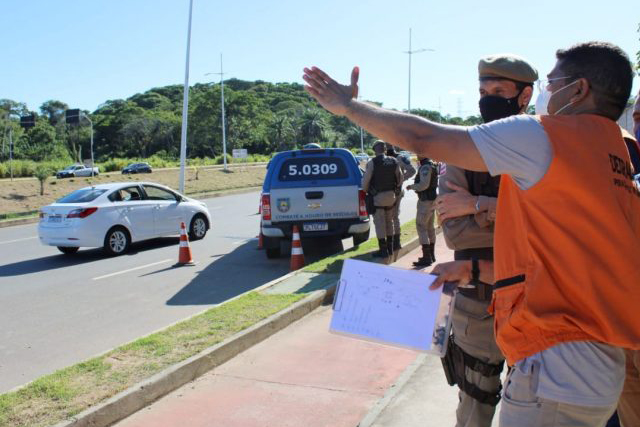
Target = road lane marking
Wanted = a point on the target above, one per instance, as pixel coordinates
(18, 240)
(131, 269)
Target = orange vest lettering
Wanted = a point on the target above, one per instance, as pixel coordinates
(567, 250)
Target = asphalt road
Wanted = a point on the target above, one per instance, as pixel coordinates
(57, 310)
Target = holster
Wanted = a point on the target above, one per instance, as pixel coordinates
(448, 364)
(454, 363)
(371, 207)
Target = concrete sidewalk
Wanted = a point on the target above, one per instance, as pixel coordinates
(305, 376)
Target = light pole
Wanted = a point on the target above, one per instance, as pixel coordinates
(411, 52)
(91, 124)
(185, 105)
(224, 133)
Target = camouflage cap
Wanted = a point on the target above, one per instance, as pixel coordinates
(507, 66)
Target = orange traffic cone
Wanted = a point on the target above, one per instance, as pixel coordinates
(297, 257)
(184, 254)
(259, 236)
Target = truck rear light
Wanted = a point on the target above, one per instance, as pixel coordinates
(81, 213)
(362, 204)
(266, 207)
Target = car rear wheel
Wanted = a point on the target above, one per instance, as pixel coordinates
(68, 250)
(360, 238)
(198, 227)
(117, 241)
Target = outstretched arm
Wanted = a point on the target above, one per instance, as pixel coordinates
(451, 144)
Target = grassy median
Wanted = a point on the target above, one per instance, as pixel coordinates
(23, 195)
(333, 264)
(58, 396)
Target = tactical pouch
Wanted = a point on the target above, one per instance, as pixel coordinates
(454, 363)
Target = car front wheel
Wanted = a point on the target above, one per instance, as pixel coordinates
(198, 227)
(117, 241)
(68, 250)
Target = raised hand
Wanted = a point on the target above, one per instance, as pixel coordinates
(333, 96)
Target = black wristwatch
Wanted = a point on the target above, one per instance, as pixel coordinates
(475, 271)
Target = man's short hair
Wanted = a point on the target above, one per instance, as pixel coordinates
(607, 69)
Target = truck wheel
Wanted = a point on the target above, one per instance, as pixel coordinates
(360, 238)
(273, 253)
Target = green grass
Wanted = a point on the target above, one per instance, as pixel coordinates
(18, 215)
(58, 396)
(333, 264)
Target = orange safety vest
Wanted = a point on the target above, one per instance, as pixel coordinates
(567, 250)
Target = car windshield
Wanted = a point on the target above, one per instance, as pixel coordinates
(68, 168)
(82, 196)
(131, 165)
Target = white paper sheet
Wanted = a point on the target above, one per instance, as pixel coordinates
(391, 305)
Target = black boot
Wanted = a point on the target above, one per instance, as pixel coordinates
(432, 250)
(425, 260)
(396, 242)
(382, 249)
(390, 245)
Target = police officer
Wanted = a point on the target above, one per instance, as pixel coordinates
(425, 185)
(408, 171)
(466, 207)
(383, 180)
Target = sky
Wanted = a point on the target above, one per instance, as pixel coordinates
(84, 52)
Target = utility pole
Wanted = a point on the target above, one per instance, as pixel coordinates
(11, 152)
(224, 133)
(412, 52)
(185, 105)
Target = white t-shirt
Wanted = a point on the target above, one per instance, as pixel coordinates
(581, 372)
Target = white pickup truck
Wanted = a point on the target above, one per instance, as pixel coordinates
(76, 170)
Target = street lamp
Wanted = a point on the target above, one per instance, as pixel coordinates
(185, 105)
(224, 134)
(411, 52)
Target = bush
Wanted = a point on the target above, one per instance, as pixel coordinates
(219, 160)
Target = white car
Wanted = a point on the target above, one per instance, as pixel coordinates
(115, 215)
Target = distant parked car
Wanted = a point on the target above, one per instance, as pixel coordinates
(76, 170)
(137, 168)
(115, 215)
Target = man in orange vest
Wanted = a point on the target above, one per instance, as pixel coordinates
(567, 231)
(629, 404)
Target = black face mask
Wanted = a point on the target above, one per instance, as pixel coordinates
(495, 107)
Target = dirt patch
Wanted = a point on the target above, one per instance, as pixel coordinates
(23, 195)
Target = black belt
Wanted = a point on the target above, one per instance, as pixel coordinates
(478, 253)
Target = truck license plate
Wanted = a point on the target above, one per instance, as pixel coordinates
(315, 226)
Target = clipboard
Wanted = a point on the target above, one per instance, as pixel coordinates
(393, 306)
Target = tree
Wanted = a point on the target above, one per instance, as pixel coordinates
(312, 126)
(42, 173)
(54, 110)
